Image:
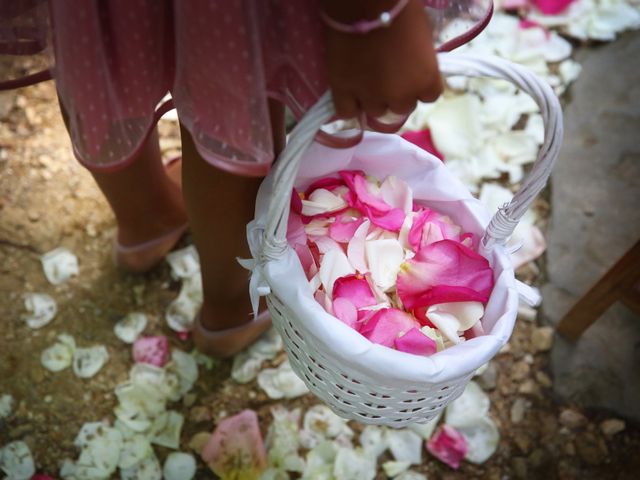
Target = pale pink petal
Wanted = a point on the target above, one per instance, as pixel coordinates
(388, 324)
(323, 299)
(391, 220)
(326, 244)
(318, 227)
(345, 311)
(448, 445)
(397, 193)
(236, 449)
(152, 350)
(296, 234)
(354, 288)
(443, 272)
(184, 335)
(345, 226)
(306, 260)
(416, 342)
(355, 249)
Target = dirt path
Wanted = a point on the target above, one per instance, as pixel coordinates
(47, 200)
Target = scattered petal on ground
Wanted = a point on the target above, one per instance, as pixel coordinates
(283, 442)
(247, 363)
(16, 461)
(59, 265)
(152, 350)
(88, 361)
(130, 327)
(179, 466)
(60, 355)
(354, 464)
(235, 450)
(448, 445)
(405, 445)
(393, 469)
(42, 309)
(6, 405)
(281, 382)
(320, 424)
(185, 263)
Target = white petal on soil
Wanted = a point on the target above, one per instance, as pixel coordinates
(282, 442)
(88, 361)
(59, 265)
(455, 125)
(16, 461)
(535, 128)
(134, 449)
(320, 424)
(373, 440)
(185, 367)
(569, 71)
(6, 405)
(42, 309)
(179, 466)
(247, 363)
(130, 327)
(169, 435)
(281, 382)
(148, 469)
(473, 403)
(405, 445)
(354, 464)
(100, 447)
(334, 265)
(182, 311)
(425, 430)
(60, 355)
(320, 462)
(274, 474)
(184, 263)
(384, 258)
(393, 469)
(482, 438)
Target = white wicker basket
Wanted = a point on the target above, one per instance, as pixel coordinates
(357, 379)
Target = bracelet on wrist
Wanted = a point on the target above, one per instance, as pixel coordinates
(365, 26)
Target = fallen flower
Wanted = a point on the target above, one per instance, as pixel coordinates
(448, 446)
(59, 265)
(130, 327)
(235, 449)
(152, 350)
(42, 309)
(281, 382)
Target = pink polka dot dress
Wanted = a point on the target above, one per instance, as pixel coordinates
(221, 60)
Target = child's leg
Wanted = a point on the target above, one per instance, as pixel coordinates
(147, 204)
(220, 205)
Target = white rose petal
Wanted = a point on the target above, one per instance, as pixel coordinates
(88, 361)
(322, 201)
(405, 445)
(354, 464)
(482, 438)
(42, 308)
(185, 367)
(57, 357)
(473, 403)
(282, 440)
(320, 424)
(182, 312)
(373, 440)
(425, 430)
(455, 125)
(384, 258)
(393, 469)
(281, 382)
(320, 462)
(185, 263)
(397, 193)
(410, 475)
(168, 435)
(148, 469)
(130, 327)
(451, 318)
(59, 265)
(179, 466)
(16, 461)
(334, 264)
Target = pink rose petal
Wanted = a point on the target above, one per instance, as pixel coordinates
(416, 342)
(184, 335)
(422, 138)
(377, 210)
(306, 260)
(296, 234)
(345, 226)
(42, 476)
(443, 272)
(328, 183)
(152, 350)
(388, 324)
(552, 7)
(345, 311)
(354, 288)
(448, 445)
(296, 202)
(236, 450)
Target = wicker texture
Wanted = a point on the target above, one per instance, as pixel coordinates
(375, 386)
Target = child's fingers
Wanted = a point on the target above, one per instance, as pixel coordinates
(432, 91)
(346, 104)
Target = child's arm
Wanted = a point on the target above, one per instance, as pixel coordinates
(389, 68)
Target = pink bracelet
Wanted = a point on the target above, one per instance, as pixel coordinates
(365, 26)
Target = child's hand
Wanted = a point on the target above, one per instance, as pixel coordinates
(387, 69)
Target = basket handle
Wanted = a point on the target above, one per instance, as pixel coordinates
(503, 222)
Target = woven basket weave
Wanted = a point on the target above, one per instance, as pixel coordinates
(359, 380)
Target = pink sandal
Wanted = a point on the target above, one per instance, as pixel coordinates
(226, 343)
(144, 256)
